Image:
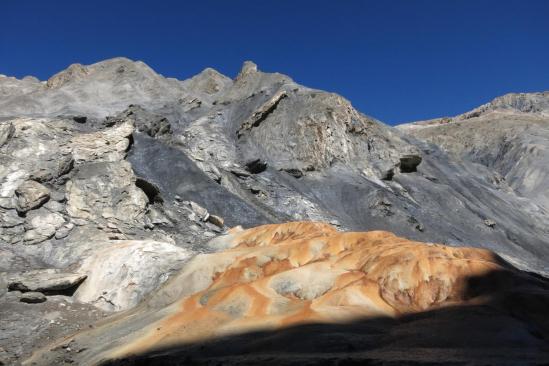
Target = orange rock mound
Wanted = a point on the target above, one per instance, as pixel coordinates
(280, 275)
(276, 278)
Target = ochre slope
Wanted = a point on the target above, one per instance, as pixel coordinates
(276, 276)
(281, 275)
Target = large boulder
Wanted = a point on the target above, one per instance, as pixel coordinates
(122, 274)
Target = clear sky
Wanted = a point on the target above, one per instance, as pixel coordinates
(395, 60)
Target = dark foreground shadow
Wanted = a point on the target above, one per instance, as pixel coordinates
(507, 324)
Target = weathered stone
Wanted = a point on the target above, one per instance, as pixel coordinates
(31, 195)
(145, 121)
(216, 220)
(44, 280)
(54, 206)
(123, 273)
(64, 231)
(32, 297)
(41, 225)
(62, 165)
(317, 284)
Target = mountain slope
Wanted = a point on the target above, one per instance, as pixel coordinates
(115, 158)
(509, 135)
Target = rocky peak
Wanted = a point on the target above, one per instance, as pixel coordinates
(73, 72)
(248, 67)
(208, 81)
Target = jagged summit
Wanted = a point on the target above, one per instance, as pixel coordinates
(248, 67)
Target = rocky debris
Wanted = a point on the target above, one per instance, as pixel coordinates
(276, 277)
(409, 163)
(45, 281)
(62, 166)
(121, 274)
(31, 195)
(489, 223)
(157, 217)
(32, 297)
(507, 135)
(64, 231)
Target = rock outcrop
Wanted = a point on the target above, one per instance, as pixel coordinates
(283, 276)
(120, 275)
(45, 280)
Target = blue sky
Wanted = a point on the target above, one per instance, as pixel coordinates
(395, 60)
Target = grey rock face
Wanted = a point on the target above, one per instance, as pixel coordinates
(105, 191)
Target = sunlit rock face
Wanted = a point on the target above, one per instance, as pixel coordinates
(283, 275)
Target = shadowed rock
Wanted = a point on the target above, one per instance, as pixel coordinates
(46, 280)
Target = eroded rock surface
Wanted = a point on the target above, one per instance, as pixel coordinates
(122, 274)
(275, 277)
